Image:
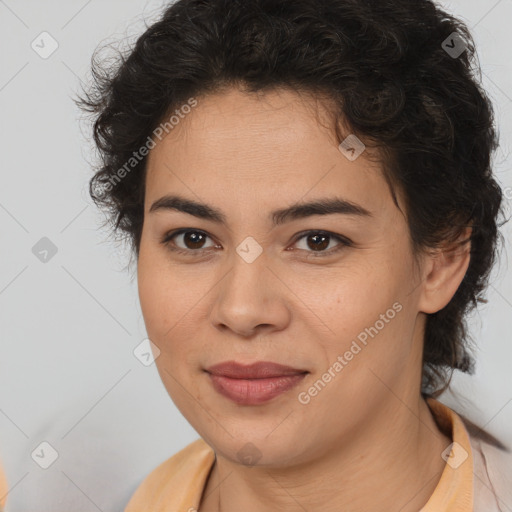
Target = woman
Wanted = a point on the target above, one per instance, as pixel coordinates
(307, 188)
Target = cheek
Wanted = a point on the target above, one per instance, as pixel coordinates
(157, 294)
(365, 311)
(170, 309)
(159, 287)
(354, 296)
(151, 295)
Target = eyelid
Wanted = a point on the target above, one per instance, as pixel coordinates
(343, 241)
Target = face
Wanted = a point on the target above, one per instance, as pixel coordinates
(332, 294)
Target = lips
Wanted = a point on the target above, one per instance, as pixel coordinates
(259, 370)
(255, 383)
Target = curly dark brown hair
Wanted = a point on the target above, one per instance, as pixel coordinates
(401, 75)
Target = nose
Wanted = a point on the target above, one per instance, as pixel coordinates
(250, 299)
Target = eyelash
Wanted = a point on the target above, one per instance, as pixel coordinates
(343, 242)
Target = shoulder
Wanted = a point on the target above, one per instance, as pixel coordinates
(188, 458)
(3, 489)
(178, 479)
(492, 468)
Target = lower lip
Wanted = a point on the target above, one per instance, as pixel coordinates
(254, 391)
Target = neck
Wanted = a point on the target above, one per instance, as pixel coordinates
(397, 456)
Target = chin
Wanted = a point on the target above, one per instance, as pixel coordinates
(257, 450)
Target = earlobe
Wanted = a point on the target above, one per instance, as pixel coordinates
(446, 269)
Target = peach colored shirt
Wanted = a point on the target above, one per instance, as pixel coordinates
(3, 490)
(177, 484)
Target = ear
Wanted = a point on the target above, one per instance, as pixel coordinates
(444, 271)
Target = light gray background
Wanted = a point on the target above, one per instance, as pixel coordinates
(68, 327)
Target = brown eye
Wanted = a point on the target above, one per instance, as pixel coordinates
(319, 241)
(186, 240)
(193, 239)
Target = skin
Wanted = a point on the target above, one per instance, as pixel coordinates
(369, 428)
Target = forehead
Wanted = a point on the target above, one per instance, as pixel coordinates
(279, 145)
(234, 120)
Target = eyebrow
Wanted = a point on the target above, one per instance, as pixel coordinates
(327, 206)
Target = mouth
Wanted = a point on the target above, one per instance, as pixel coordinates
(253, 384)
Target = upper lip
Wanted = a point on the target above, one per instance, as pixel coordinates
(258, 370)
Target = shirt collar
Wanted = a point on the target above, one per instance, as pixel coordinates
(454, 492)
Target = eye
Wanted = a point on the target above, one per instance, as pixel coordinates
(192, 239)
(321, 240)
